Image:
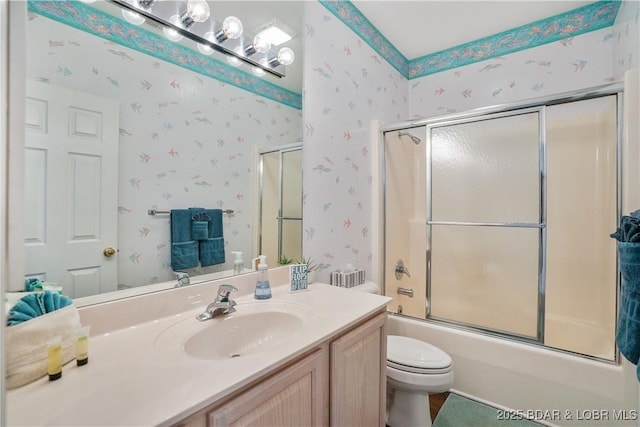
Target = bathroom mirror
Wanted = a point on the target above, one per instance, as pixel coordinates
(183, 138)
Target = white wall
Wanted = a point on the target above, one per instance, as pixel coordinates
(347, 84)
(626, 32)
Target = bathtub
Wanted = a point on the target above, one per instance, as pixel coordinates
(519, 376)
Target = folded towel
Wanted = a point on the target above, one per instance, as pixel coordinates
(184, 250)
(628, 331)
(629, 230)
(32, 284)
(184, 255)
(215, 223)
(212, 251)
(35, 305)
(199, 224)
(26, 344)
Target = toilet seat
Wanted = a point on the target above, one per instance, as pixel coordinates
(415, 356)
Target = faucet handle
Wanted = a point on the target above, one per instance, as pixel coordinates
(224, 290)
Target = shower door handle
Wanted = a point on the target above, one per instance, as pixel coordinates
(401, 269)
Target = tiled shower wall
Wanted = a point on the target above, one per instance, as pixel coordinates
(185, 140)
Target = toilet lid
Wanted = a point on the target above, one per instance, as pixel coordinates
(414, 355)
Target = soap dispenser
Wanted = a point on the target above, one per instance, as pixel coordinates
(263, 288)
(238, 264)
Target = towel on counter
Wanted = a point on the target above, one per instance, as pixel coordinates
(32, 284)
(199, 224)
(628, 331)
(26, 344)
(184, 250)
(36, 305)
(212, 249)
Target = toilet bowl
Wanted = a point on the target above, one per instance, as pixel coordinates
(414, 369)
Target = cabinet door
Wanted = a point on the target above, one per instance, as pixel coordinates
(292, 397)
(358, 375)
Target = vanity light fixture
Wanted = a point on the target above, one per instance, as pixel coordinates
(191, 19)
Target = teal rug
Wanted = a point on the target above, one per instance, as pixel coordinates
(459, 411)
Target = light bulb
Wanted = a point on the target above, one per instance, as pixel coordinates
(261, 44)
(198, 10)
(232, 27)
(133, 17)
(207, 50)
(170, 33)
(286, 56)
(258, 71)
(232, 60)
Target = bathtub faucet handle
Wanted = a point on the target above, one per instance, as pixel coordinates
(401, 269)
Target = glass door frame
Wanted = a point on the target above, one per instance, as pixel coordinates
(540, 103)
(281, 150)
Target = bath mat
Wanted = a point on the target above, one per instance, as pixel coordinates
(459, 411)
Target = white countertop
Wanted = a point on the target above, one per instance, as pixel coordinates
(130, 381)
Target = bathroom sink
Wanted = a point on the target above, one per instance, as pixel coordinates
(255, 327)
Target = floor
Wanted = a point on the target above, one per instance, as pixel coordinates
(435, 403)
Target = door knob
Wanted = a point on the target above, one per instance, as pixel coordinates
(108, 251)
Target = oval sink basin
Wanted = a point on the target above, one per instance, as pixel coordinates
(252, 329)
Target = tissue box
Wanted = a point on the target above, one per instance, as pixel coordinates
(347, 280)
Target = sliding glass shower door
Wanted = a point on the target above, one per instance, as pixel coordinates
(502, 220)
(281, 204)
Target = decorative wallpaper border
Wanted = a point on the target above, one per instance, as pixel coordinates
(85, 18)
(359, 24)
(592, 17)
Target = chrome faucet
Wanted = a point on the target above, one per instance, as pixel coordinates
(222, 304)
(183, 279)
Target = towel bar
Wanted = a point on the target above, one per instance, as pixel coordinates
(157, 212)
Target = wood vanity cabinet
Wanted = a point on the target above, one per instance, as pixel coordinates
(340, 383)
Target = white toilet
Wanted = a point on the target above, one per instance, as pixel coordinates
(414, 369)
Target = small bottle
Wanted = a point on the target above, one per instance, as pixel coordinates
(54, 358)
(263, 288)
(238, 264)
(82, 345)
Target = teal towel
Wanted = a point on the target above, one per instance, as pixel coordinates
(35, 305)
(628, 331)
(629, 230)
(215, 223)
(199, 224)
(212, 251)
(32, 284)
(184, 250)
